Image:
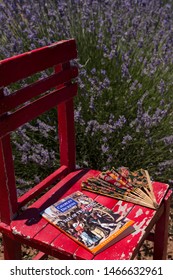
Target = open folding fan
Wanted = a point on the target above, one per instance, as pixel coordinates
(135, 187)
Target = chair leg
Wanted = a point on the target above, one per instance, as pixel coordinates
(12, 248)
(161, 233)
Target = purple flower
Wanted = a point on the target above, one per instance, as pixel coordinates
(92, 127)
(168, 140)
(161, 86)
(125, 71)
(120, 122)
(104, 148)
(91, 104)
(125, 61)
(93, 71)
(78, 115)
(126, 139)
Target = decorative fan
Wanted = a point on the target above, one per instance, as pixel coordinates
(135, 187)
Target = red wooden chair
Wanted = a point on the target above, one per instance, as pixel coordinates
(27, 227)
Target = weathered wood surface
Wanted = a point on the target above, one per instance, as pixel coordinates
(8, 196)
(31, 111)
(36, 229)
(33, 192)
(23, 65)
(12, 101)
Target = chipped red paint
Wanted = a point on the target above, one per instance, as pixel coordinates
(50, 236)
(29, 227)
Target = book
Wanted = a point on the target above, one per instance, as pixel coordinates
(88, 222)
(135, 187)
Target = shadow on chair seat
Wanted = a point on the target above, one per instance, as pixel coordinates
(35, 229)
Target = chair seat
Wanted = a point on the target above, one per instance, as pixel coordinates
(36, 230)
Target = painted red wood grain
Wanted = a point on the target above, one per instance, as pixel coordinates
(82, 254)
(31, 111)
(39, 256)
(144, 219)
(68, 185)
(12, 248)
(33, 192)
(122, 250)
(8, 205)
(161, 230)
(66, 127)
(122, 207)
(24, 94)
(48, 234)
(32, 226)
(66, 132)
(1, 93)
(26, 64)
(160, 190)
(28, 224)
(65, 245)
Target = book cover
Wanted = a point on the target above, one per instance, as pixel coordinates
(88, 222)
(135, 187)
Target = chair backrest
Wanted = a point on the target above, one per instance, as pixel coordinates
(25, 104)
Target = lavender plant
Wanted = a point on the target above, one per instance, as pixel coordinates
(123, 112)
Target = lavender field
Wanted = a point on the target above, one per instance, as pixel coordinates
(124, 108)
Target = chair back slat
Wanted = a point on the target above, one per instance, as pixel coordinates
(21, 66)
(29, 112)
(23, 95)
(29, 102)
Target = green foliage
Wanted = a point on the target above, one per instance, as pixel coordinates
(123, 111)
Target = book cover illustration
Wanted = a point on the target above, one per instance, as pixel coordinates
(88, 222)
(135, 187)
